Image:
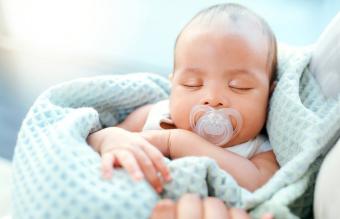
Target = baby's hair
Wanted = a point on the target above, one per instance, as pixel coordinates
(235, 12)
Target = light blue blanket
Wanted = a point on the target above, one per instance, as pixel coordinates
(56, 174)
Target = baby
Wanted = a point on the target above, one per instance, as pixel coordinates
(224, 65)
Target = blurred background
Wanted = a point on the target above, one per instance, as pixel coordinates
(45, 42)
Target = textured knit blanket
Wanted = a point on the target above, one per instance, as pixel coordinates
(57, 174)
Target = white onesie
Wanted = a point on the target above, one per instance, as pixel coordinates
(160, 114)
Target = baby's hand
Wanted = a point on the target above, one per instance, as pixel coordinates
(119, 147)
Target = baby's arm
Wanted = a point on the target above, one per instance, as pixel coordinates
(135, 121)
(250, 174)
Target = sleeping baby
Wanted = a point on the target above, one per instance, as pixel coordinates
(224, 65)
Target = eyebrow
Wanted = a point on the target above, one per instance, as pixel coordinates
(243, 71)
(234, 71)
(194, 70)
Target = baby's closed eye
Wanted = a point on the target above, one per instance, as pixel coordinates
(240, 85)
(192, 83)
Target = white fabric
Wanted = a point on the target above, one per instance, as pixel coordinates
(252, 147)
(160, 113)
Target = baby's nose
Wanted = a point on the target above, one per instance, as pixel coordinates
(213, 103)
(216, 99)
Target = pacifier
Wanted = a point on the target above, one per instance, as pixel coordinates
(215, 125)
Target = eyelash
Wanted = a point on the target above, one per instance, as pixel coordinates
(192, 86)
(239, 88)
(234, 88)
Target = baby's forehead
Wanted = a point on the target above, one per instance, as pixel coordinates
(232, 21)
(236, 25)
(224, 33)
(241, 43)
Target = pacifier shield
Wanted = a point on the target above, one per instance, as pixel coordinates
(215, 125)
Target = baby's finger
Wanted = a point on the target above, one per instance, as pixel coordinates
(106, 165)
(129, 162)
(157, 159)
(148, 168)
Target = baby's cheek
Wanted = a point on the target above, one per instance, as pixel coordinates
(254, 121)
(180, 123)
(180, 116)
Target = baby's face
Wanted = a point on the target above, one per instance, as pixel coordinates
(222, 68)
